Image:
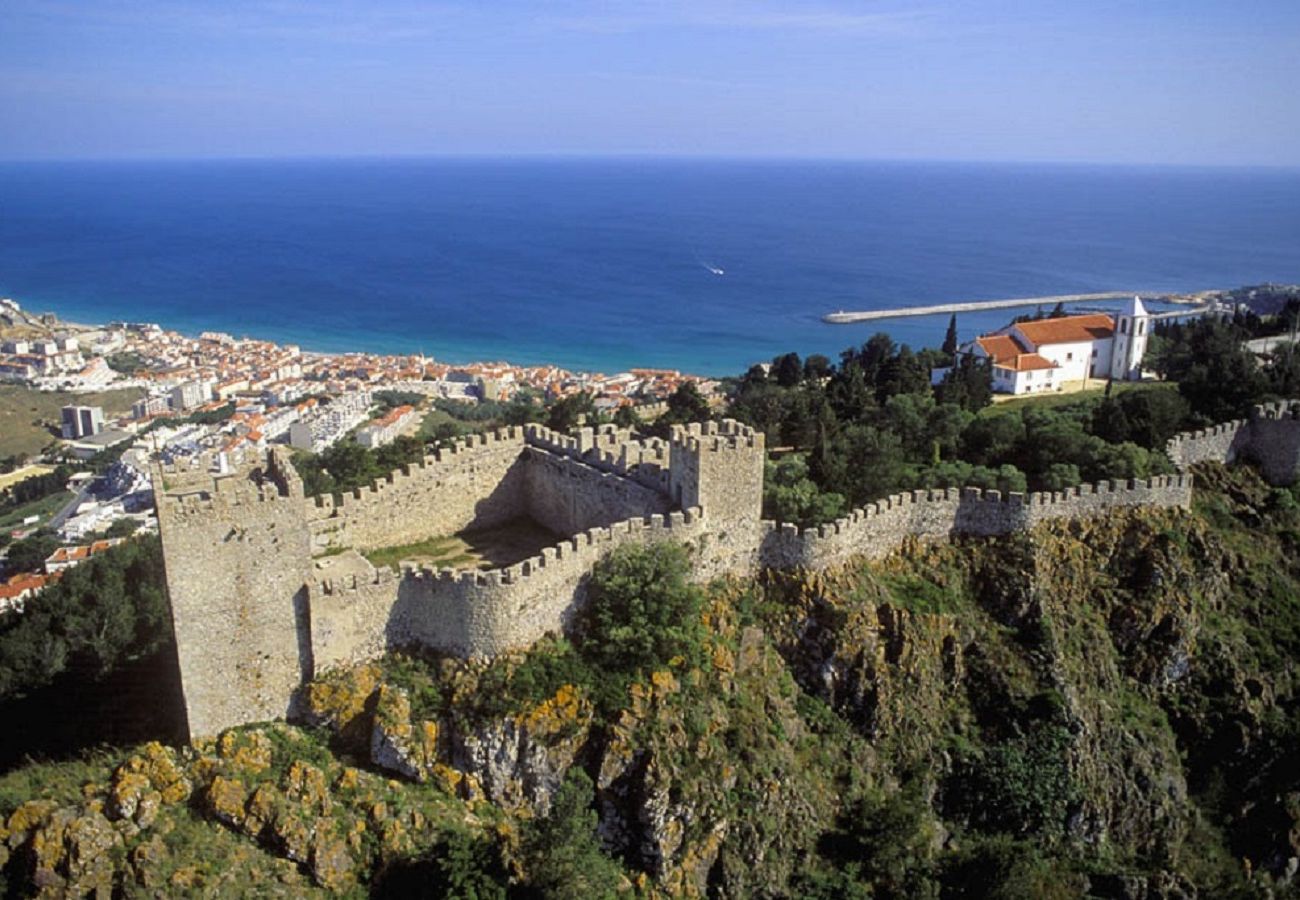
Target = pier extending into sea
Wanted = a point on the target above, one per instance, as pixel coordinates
(848, 318)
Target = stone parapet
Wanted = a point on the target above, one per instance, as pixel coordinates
(475, 613)
(1269, 438)
(878, 529)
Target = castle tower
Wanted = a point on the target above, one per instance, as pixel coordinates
(237, 551)
(718, 466)
(1130, 342)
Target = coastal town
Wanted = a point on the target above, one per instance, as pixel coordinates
(227, 396)
(130, 394)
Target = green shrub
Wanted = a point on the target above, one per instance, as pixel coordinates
(641, 614)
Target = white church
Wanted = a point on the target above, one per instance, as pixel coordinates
(1047, 354)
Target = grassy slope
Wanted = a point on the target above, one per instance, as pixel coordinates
(26, 416)
(44, 508)
(1054, 401)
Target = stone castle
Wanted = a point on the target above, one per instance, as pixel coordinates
(269, 588)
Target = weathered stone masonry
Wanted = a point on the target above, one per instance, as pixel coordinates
(1269, 438)
(255, 610)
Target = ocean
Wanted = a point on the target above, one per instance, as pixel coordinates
(605, 264)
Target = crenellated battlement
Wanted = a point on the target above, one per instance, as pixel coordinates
(611, 450)
(440, 464)
(880, 528)
(1281, 409)
(245, 550)
(197, 491)
(1269, 438)
(728, 434)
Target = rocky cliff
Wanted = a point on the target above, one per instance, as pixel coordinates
(1103, 708)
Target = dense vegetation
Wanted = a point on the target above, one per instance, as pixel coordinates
(35, 487)
(348, 465)
(91, 660)
(872, 424)
(99, 615)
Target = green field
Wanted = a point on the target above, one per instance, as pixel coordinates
(29, 420)
(20, 475)
(44, 507)
(1070, 398)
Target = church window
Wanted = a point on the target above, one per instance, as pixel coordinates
(1123, 326)
(1142, 327)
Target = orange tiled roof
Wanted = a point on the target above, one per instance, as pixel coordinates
(20, 583)
(1028, 362)
(1068, 329)
(1001, 348)
(392, 416)
(1006, 353)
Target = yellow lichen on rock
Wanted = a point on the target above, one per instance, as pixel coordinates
(664, 683)
(24, 819)
(306, 786)
(558, 713)
(226, 798)
(246, 752)
(340, 698)
(125, 792)
(261, 809)
(331, 863)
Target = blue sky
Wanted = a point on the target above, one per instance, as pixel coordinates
(1128, 81)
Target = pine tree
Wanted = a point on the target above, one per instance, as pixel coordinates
(950, 339)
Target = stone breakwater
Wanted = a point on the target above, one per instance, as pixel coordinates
(268, 587)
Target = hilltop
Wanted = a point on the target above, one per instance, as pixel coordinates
(1105, 706)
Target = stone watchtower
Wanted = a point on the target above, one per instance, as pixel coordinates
(237, 550)
(718, 466)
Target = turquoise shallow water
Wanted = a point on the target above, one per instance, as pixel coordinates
(605, 264)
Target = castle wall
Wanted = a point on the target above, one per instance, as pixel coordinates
(1219, 444)
(879, 529)
(1274, 443)
(482, 614)
(1270, 439)
(476, 483)
(479, 614)
(568, 496)
(350, 619)
(611, 450)
(247, 635)
(718, 466)
(237, 556)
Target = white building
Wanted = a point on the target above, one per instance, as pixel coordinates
(1044, 355)
(81, 421)
(148, 407)
(190, 394)
(385, 429)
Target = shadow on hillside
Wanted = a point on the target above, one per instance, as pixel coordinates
(141, 701)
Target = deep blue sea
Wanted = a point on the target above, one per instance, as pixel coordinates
(606, 264)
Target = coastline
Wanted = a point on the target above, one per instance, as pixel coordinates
(928, 325)
(600, 265)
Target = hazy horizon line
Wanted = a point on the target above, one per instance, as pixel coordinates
(573, 156)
